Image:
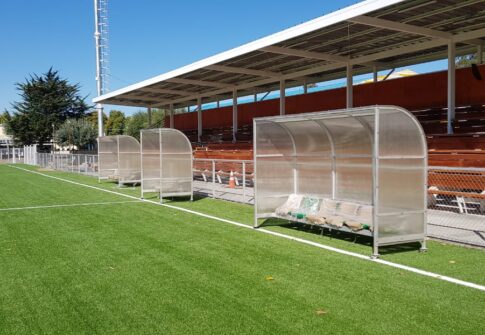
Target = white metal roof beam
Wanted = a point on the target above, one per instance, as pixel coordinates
(240, 70)
(196, 82)
(313, 55)
(402, 27)
(165, 91)
(305, 54)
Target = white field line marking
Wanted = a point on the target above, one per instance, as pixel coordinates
(288, 237)
(68, 205)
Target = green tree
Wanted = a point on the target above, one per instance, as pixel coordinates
(135, 123)
(158, 118)
(4, 117)
(466, 60)
(92, 117)
(78, 132)
(139, 121)
(115, 125)
(46, 102)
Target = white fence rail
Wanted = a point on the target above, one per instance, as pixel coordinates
(225, 179)
(12, 155)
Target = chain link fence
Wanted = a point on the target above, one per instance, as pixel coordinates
(77, 163)
(456, 203)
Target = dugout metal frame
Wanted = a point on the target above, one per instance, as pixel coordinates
(166, 163)
(370, 155)
(119, 159)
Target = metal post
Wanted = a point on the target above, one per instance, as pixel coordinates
(282, 97)
(244, 180)
(199, 118)
(234, 115)
(451, 85)
(218, 103)
(149, 112)
(374, 74)
(375, 186)
(171, 116)
(213, 179)
(305, 87)
(350, 83)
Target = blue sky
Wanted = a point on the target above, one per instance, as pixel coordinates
(147, 37)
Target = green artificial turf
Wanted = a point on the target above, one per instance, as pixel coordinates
(137, 268)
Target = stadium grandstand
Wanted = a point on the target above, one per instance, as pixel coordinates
(366, 38)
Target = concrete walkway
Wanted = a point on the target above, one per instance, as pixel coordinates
(221, 191)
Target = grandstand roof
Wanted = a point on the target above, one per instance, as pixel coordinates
(374, 33)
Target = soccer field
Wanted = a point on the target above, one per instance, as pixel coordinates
(76, 259)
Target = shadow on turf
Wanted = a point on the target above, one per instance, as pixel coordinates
(342, 236)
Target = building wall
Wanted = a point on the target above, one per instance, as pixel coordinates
(413, 93)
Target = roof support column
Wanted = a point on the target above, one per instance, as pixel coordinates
(374, 74)
(199, 118)
(350, 88)
(451, 85)
(99, 108)
(234, 115)
(218, 103)
(305, 87)
(282, 97)
(171, 116)
(480, 54)
(149, 112)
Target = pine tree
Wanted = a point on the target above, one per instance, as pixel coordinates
(46, 102)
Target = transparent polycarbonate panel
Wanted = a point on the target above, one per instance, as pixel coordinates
(129, 159)
(173, 141)
(399, 134)
(401, 185)
(176, 163)
(354, 179)
(167, 162)
(108, 156)
(274, 182)
(314, 176)
(176, 166)
(401, 227)
(349, 135)
(150, 149)
(272, 138)
(309, 137)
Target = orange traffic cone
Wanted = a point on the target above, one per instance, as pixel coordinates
(232, 183)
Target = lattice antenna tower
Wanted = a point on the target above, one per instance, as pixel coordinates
(102, 46)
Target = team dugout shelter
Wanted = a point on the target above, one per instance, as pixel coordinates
(119, 159)
(366, 38)
(359, 170)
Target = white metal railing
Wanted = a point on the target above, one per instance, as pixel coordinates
(12, 155)
(225, 179)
